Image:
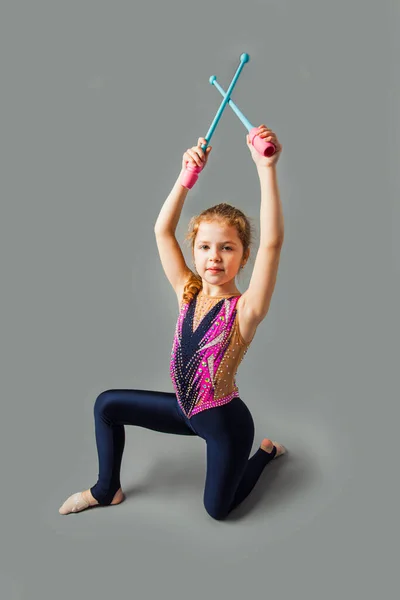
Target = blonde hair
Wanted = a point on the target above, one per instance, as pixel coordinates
(225, 214)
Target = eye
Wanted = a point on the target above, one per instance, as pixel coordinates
(205, 246)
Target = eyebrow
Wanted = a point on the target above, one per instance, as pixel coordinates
(226, 242)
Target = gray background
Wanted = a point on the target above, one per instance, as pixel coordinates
(99, 100)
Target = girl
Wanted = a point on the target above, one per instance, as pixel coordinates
(215, 327)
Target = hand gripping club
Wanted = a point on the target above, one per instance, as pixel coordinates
(191, 173)
(263, 147)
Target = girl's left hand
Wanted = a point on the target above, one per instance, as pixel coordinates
(259, 159)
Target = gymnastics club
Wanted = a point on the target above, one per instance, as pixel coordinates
(263, 147)
(191, 174)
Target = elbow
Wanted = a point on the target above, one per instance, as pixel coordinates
(164, 231)
(279, 240)
(275, 243)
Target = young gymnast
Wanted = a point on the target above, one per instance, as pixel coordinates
(215, 327)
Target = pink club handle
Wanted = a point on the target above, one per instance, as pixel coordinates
(263, 147)
(190, 176)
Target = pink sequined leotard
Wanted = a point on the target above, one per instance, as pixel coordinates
(206, 352)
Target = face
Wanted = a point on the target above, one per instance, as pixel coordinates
(219, 246)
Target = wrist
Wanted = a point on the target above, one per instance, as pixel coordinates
(182, 189)
(266, 171)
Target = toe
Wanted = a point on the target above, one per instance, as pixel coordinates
(280, 448)
(74, 503)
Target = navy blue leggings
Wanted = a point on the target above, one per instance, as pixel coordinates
(228, 431)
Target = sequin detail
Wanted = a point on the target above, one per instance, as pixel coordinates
(206, 343)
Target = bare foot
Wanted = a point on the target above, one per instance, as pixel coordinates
(82, 500)
(267, 445)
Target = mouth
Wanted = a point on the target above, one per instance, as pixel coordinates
(214, 270)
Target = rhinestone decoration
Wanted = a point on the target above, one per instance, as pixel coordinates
(201, 347)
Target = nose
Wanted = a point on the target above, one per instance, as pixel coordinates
(215, 255)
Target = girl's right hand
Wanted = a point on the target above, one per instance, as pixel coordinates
(196, 156)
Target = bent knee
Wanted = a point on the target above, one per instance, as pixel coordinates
(217, 513)
(103, 401)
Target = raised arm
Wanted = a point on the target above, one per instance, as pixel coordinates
(170, 252)
(257, 297)
(170, 213)
(171, 255)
